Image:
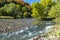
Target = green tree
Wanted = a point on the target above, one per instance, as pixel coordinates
(26, 15)
(11, 10)
(24, 9)
(21, 14)
(38, 10)
(57, 8)
(41, 9)
(47, 2)
(54, 11)
(47, 5)
(8, 8)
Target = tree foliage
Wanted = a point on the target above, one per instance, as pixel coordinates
(47, 3)
(14, 8)
(55, 10)
(38, 10)
(8, 8)
(42, 9)
(24, 9)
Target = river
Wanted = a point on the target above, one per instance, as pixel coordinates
(26, 29)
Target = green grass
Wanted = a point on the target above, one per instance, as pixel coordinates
(6, 17)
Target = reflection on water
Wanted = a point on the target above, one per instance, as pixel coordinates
(27, 32)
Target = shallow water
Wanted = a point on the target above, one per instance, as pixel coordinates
(28, 31)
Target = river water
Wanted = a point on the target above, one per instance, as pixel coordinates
(28, 31)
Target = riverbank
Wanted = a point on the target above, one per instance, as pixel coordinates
(53, 34)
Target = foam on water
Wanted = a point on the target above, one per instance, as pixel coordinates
(26, 28)
(21, 31)
(28, 32)
(48, 27)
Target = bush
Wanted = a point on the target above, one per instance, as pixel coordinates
(10, 10)
(24, 9)
(26, 14)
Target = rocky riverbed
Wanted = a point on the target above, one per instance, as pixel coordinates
(7, 25)
(21, 29)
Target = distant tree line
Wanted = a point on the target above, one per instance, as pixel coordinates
(20, 9)
(15, 8)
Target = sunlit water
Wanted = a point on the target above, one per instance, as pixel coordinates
(27, 32)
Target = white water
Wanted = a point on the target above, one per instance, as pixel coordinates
(27, 32)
